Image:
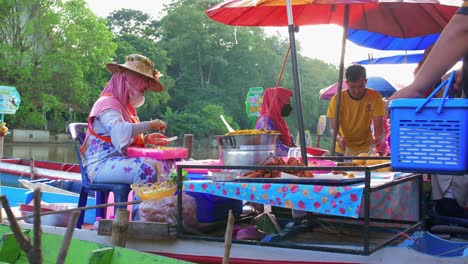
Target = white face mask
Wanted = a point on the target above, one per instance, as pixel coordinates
(137, 100)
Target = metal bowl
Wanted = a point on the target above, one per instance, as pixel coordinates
(235, 141)
(50, 220)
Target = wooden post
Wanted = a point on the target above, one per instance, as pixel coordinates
(188, 143)
(31, 168)
(228, 238)
(1, 146)
(120, 228)
(67, 238)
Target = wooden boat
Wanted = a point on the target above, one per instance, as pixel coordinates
(161, 241)
(211, 251)
(11, 169)
(80, 251)
(17, 196)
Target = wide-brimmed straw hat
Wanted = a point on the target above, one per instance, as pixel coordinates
(142, 65)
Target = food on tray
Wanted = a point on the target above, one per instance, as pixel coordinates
(162, 148)
(359, 162)
(273, 161)
(344, 173)
(369, 162)
(252, 132)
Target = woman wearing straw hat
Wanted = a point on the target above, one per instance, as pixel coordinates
(113, 125)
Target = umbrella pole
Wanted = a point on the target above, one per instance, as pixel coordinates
(340, 80)
(297, 86)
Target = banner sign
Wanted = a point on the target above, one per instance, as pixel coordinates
(253, 103)
(10, 100)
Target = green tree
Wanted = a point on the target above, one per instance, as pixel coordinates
(52, 50)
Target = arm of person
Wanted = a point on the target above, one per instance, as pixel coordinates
(451, 46)
(122, 133)
(379, 130)
(342, 142)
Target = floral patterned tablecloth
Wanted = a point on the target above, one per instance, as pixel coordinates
(396, 202)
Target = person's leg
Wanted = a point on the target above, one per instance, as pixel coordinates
(449, 207)
(128, 170)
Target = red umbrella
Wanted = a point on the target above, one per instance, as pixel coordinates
(398, 18)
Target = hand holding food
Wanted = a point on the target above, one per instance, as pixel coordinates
(342, 142)
(158, 125)
(157, 139)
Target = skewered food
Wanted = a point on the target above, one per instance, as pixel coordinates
(273, 161)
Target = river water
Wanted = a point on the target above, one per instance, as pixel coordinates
(64, 152)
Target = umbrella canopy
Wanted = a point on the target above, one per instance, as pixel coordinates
(395, 59)
(381, 41)
(380, 84)
(397, 18)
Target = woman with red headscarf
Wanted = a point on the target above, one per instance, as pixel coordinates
(276, 104)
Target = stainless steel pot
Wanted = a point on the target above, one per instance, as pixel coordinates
(247, 156)
(235, 141)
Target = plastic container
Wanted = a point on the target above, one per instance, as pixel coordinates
(429, 135)
(212, 208)
(207, 162)
(161, 154)
(96, 224)
(316, 151)
(153, 191)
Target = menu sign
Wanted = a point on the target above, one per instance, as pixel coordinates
(10, 100)
(253, 103)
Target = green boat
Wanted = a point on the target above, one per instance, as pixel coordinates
(79, 251)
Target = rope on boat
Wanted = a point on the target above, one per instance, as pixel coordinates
(77, 209)
(450, 251)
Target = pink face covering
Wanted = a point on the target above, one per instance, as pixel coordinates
(137, 86)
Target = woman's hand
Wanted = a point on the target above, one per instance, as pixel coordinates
(158, 125)
(156, 139)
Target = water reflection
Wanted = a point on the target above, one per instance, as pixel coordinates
(64, 152)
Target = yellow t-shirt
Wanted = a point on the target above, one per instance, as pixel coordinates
(356, 118)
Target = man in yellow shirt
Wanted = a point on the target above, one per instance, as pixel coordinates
(359, 108)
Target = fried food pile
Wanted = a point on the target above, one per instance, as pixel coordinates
(252, 132)
(292, 161)
(368, 162)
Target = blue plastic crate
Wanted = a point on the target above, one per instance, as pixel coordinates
(429, 135)
(212, 208)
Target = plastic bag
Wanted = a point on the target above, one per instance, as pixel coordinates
(165, 210)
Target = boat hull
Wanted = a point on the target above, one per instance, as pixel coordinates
(212, 252)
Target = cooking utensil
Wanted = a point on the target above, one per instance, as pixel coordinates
(229, 128)
(321, 124)
(171, 138)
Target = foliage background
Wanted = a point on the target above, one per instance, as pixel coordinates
(54, 52)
